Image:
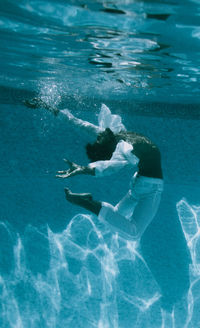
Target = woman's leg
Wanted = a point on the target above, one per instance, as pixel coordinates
(105, 211)
(145, 211)
(126, 205)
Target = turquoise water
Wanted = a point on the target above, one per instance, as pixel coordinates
(59, 266)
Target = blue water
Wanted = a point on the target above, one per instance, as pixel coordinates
(59, 266)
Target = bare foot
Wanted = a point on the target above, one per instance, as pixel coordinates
(84, 200)
(77, 199)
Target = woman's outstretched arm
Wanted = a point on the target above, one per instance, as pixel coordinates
(85, 126)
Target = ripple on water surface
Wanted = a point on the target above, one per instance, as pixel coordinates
(120, 49)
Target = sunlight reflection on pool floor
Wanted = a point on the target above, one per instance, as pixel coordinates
(86, 277)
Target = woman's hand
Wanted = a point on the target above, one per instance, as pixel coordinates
(39, 103)
(74, 169)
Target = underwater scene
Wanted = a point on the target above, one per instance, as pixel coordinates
(60, 265)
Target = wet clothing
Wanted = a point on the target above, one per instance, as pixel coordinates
(136, 210)
(132, 215)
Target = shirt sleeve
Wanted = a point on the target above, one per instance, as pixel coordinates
(84, 126)
(121, 157)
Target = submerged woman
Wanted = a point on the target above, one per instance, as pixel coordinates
(113, 150)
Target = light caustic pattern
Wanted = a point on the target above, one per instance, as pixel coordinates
(86, 277)
(190, 220)
(93, 279)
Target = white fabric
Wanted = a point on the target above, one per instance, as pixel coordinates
(132, 215)
(108, 120)
(105, 120)
(88, 127)
(121, 157)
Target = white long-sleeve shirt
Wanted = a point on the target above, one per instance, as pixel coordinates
(121, 157)
(105, 120)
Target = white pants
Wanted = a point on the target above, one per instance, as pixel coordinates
(132, 215)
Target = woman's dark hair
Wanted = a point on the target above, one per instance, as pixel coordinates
(103, 147)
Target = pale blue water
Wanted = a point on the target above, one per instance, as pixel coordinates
(59, 267)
